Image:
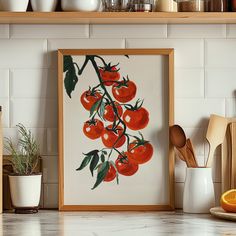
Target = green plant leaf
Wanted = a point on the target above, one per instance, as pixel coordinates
(102, 109)
(102, 173)
(95, 107)
(94, 162)
(102, 157)
(68, 63)
(70, 80)
(85, 162)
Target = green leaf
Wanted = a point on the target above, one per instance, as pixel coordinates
(91, 153)
(85, 162)
(117, 175)
(102, 157)
(70, 81)
(68, 63)
(102, 173)
(104, 152)
(95, 107)
(94, 162)
(102, 109)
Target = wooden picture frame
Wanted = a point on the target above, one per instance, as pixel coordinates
(168, 55)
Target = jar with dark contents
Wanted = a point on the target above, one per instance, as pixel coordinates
(218, 5)
(233, 5)
(191, 5)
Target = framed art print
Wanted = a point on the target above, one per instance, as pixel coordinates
(115, 110)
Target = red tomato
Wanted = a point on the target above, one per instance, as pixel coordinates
(93, 128)
(124, 92)
(140, 153)
(136, 119)
(88, 98)
(109, 112)
(110, 137)
(126, 167)
(110, 75)
(111, 174)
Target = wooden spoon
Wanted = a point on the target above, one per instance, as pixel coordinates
(178, 139)
(191, 148)
(215, 135)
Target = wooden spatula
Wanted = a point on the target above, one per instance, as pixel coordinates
(215, 135)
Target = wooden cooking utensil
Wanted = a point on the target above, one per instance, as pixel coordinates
(215, 135)
(233, 155)
(178, 139)
(191, 148)
(226, 162)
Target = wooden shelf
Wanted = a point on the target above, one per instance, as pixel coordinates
(117, 18)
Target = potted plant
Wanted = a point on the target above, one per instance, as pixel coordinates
(25, 183)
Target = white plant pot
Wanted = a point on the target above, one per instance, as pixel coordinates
(44, 5)
(25, 191)
(80, 5)
(199, 195)
(14, 5)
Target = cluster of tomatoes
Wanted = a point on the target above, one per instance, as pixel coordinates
(113, 136)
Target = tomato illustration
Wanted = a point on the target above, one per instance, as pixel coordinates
(113, 138)
(125, 91)
(109, 113)
(109, 74)
(89, 97)
(136, 119)
(125, 166)
(140, 151)
(111, 174)
(93, 128)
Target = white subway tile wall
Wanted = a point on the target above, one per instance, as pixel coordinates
(205, 81)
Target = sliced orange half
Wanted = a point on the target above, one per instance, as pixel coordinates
(228, 201)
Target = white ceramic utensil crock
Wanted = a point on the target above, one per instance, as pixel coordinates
(199, 195)
(14, 5)
(80, 5)
(44, 5)
(25, 191)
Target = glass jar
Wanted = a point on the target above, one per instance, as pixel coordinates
(218, 5)
(191, 5)
(233, 5)
(112, 5)
(167, 6)
(142, 5)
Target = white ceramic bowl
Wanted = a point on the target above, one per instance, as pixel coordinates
(44, 5)
(80, 5)
(14, 5)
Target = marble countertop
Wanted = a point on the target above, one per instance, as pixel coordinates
(113, 224)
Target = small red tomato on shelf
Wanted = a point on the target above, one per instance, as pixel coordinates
(93, 128)
(113, 138)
